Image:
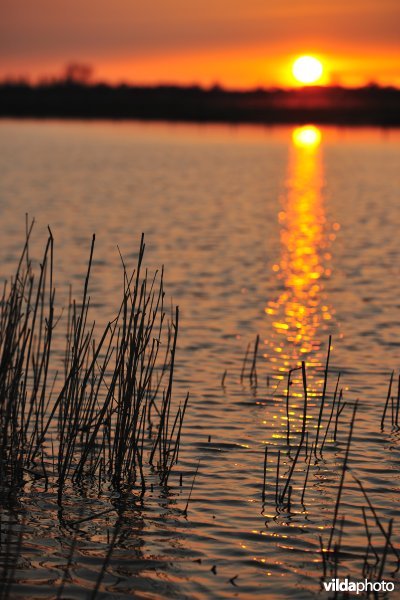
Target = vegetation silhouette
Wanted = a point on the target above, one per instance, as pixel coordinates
(74, 96)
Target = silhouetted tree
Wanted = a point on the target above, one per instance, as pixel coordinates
(77, 73)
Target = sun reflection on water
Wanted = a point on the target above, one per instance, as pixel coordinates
(300, 315)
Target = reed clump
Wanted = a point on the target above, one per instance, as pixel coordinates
(108, 414)
(286, 478)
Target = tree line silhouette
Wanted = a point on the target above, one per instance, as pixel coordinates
(75, 96)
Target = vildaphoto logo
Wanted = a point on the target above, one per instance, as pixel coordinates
(345, 585)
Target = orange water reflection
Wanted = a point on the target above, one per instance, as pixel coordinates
(301, 314)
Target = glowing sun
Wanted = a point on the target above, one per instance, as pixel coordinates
(307, 69)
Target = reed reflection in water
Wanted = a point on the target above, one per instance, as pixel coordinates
(301, 315)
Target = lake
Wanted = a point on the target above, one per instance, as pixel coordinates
(289, 233)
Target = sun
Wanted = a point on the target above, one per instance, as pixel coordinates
(307, 69)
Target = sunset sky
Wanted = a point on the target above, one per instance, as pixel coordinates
(237, 43)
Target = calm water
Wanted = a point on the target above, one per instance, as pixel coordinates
(289, 233)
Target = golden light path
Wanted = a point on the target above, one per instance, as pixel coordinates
(301, 313)
(300, 317)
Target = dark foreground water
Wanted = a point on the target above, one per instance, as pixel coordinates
(292, 234)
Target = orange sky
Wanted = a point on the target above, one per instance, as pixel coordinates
(238, 43)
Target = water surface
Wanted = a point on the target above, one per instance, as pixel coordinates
(289, 233)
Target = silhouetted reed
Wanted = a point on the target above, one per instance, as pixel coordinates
(339, 409)
(321, 409)
(265, 473)
(331, 413)
(302, 435)
(243, 371)
(386, 535)
(185, 510)
(307, 474)
(368, 569)
(394, 404)
(252, 372)
(343, 475)
(26, 330)
(374, 560)
(289, 383)
(113, 411)
(387, 400)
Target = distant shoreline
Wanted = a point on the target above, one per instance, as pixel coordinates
(367, 106)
